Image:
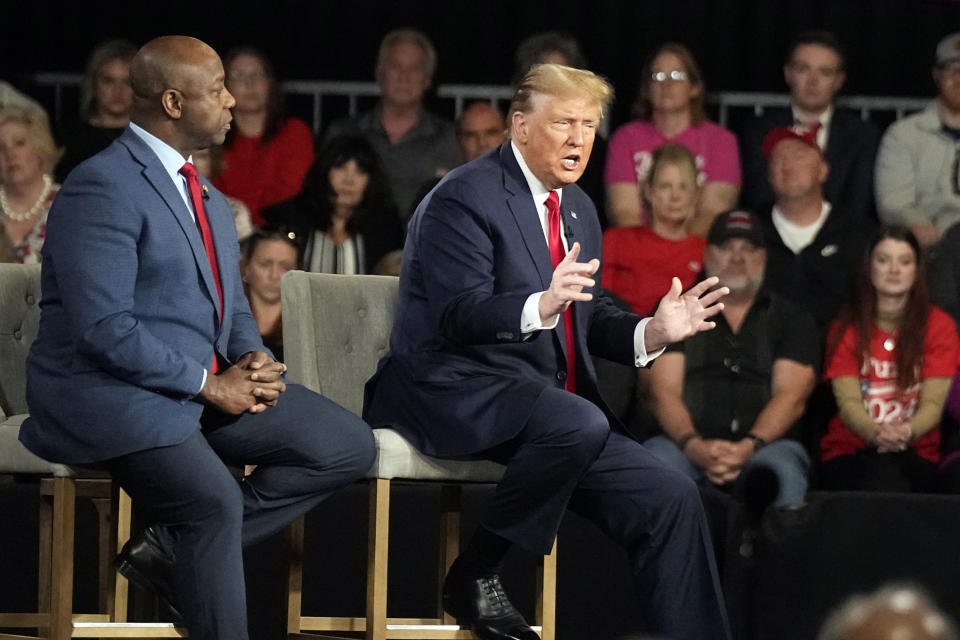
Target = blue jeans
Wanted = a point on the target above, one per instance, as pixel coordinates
(786, 458)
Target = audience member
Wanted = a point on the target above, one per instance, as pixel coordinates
(548, 47)
(812, 246)
(105, 103)
(815, 71)
(267, 255)
(639, 263)
(890, 613)
(728, 399)
(414, 144)
(480, 128)
(669, 108)
(27, 157)
(209, 163)
(917, 182)
(266, 154)
(891, 357)
(343, 218)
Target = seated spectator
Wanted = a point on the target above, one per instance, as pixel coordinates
(267, 255)
(480, 128)
(916, 178)
(266, 154)
(106, 99)
(343, 218)
(556, 47)
(553, 47)
(209, 163)
(413, 144)
(728, 399)
(815, 71)
(639, 263)
(27, 189)
(813, 247)
(669, 108)
(891, 357)
(890, 613)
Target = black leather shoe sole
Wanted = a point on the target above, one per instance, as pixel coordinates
(129, 571)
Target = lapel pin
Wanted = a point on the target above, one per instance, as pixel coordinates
(205, 192)
(574, 214)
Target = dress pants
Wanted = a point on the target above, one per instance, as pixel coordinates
(305, 447)
(566, 457)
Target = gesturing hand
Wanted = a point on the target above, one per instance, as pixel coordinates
(681, 315)
(566, 286)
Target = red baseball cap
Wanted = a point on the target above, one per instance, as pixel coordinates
(801, 133)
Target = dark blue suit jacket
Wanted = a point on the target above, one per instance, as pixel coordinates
(851, 152)
(460, 377)
(129, 310)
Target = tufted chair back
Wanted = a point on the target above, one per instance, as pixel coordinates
(334, 348)
(19, 320)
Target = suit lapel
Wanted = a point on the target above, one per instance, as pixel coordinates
(520, 202)
(159, 179)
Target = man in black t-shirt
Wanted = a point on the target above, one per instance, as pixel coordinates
(727, 400)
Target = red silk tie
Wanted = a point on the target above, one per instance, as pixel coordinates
(557, 253)
(193, 186)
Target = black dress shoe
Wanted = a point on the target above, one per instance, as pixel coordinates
(482, 605)
(144, 562)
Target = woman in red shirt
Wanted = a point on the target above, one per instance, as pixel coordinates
(265, 155)
(891, 357)
(640, 262)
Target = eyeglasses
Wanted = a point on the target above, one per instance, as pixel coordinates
(662, 76)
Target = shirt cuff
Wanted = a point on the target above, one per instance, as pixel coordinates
(641, 357)
(530, 317)
(203, 382)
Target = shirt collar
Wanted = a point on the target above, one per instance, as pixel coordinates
(537, 188)
(824, 118)
(169, 157)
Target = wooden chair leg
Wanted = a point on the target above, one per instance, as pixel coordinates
(61, 561)
(122, 513)
(294, 553)
(106, 534)
(547, 595)
(45, 539)
(377, 548)
(449, 541)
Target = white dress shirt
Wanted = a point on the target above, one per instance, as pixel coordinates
(530, 317)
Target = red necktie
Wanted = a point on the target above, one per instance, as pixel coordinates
(557, 253)
(193, 185)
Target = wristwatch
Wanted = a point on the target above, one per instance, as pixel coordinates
(758, 442)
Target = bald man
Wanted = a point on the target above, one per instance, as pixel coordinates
(149, 364)
(480, 128)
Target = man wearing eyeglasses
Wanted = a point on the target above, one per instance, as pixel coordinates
(815, 71)
(917, 181)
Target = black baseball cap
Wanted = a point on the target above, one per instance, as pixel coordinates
(736, 223)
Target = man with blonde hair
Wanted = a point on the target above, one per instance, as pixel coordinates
(498, 312)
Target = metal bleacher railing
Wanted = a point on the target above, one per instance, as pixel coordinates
(458, 95)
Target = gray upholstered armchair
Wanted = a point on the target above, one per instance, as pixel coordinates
(335, 329)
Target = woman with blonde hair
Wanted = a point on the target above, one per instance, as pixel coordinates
(669, 108)
(27, 157)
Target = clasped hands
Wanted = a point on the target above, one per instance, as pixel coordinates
(721, 460)
(679, 315)
(251, 385)
(891, 437)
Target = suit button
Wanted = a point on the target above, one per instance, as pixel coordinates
(561, 376)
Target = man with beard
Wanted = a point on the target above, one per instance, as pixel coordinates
(728, 400)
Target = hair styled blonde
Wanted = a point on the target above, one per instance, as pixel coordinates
(38, 129)
(562, 82)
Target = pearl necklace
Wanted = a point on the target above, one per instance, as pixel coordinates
(32, 211)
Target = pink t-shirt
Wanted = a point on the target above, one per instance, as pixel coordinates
(630, 152)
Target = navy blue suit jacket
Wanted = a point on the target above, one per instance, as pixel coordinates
(460, 377)
(129, 310)
(851, 152)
